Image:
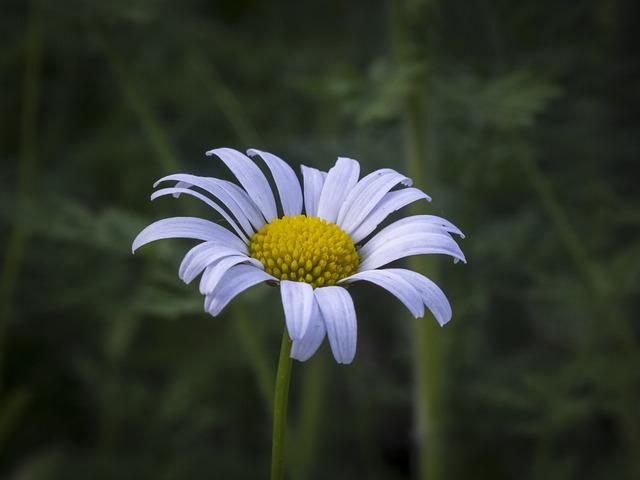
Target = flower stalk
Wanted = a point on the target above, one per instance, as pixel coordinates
(283, 378)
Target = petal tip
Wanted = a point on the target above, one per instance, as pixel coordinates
(215, 151)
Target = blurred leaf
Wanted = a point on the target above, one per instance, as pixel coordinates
(507, 102)
(12, 409)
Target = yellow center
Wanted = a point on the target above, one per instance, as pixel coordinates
(306, 249)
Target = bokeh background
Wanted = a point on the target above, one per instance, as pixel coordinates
(524, 118)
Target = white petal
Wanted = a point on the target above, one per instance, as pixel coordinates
(297, 301)
(339, 182)
(304, 348)
(208, 201)
(236, 280)
(255, 216)
(200, 257)
(391, 202)
(251, 178)
(188, 227)
(336, 307)
(411, 243)
(313, 182)
(432, 296)
(232, 197)
(395, 284)
(214, 272)
(286, 181)
(415, 235)
(363, 198)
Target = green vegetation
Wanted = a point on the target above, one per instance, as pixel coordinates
(518, 118)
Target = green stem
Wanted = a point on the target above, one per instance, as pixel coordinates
(132, 90)
(225, 99)
(18, 238)
(569, 377)
(568, 236)
(428, 355)
(280, 407)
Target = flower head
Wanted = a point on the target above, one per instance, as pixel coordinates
(312, 256)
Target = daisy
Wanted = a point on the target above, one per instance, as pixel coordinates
(312, 256)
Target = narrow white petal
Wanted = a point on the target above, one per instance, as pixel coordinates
(336, 307)
(214, 272)
(236, 280)
(339, 182)
(432, 296)
(437, 222)
(395, 284)
(187, 227)
(364, 197)
(297, 301)
(304, 348)
(415, 235)
(408, 245)
(254, 214)
(234, 198)
(200, 257)
(313, 182)
(251, 178)
(391, 202)
(208, 201)
(286, 181)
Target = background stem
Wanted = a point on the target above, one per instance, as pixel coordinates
(427, 347)
(280, 407)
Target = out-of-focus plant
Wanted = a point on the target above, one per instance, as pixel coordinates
(125, 379)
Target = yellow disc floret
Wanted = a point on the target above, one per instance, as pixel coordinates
(305, 249)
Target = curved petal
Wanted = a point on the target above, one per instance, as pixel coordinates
(236, 280)
(396, 285)
(415, 235)
(339, 182)
(214, 272)
(410, 244)
(234, 198)
(304, 348)
(432, 296)
(336, 307)
(200, 257)
(208, 201)
(187, 227)
(286, 181)
(251, 178)
(255, 216)
(391, 202)
(364, 197)
(313, 182)
(297, 301)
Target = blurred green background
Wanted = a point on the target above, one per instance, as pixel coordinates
(525, 116)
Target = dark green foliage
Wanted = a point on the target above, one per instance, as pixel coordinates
(111, 369)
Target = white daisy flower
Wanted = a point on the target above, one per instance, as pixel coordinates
(313, 256)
